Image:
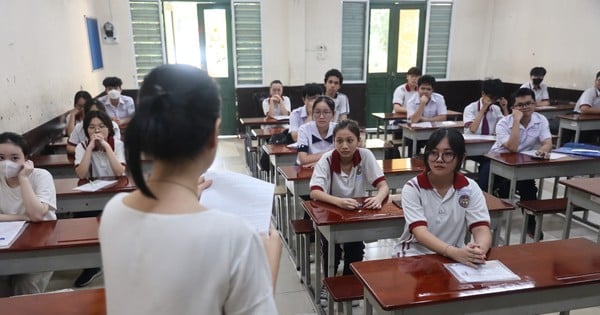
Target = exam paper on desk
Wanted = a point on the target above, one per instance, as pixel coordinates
(242, 195)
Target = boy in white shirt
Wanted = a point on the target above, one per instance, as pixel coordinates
(276, 104)
(333, 82)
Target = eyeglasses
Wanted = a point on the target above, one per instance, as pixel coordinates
(319, 113)
(447, 156)
(522, 105)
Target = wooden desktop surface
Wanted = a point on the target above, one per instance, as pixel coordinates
(518, 159)
(267, 132)
(392, 116)
(252, 121)
(323, 213)
(57, 234)
(402, 283)
(435, 125)
(552, 108)
(64, 186)
(278, 149)
(580, 117)
(54, 160)
(588, 185)
(79, 302)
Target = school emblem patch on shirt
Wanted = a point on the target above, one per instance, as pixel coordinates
(464, 200)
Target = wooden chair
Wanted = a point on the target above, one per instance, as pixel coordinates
(303, 228)
(538, 208)
(343, 290)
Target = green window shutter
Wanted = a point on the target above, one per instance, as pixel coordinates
(354, 23)
(248, 43)
(147, 36)
(440, 16)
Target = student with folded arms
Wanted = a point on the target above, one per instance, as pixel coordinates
(441, 204)
(276, 104)
(26, 194)
(162, 251)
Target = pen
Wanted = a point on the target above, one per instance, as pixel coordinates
(2, 238)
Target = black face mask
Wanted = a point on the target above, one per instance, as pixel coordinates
(537, 81)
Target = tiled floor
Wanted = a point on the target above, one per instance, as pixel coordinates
(290, 295)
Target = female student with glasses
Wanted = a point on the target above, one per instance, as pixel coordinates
(316, 136)
(441, 203)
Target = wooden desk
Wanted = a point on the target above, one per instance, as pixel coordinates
(578, 123)
(59, 165)
(263, 134)
(69, 200)
(516, 167)
(385, 117)
(279, 155)
(551, 111)
(53, 245)
(555, 276)
(409, 131)
(477, 145)
(59, 146)
(250, 122)
(341, 226)
(583, 192)
(79, 302)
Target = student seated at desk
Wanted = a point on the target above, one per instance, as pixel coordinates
(540, 90)
(303, 114)
(120, 107)
(341, 174)
(162, 251)
(276, 104)
(402, 94)
(333, 83)
(425, 105)
(102, 154)
(75, 116)
(587, 104)
(441, 203)
(522, 130)
(26, 194)
(316, 136)
(78, 134)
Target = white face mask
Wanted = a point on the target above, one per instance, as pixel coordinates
(114, 94)
(9, 169)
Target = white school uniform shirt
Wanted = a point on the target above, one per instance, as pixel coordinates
(493, 115)
(99, 162)
(435, 106)
(286, 103)
(541, 94)
(310, 140)
(11, 198)
(125, 108)
(342, 106)
(328, 176)
(402, 94)
(590, 97)
(297, 118)
(530, 138)
(78, 134)
(448, 218)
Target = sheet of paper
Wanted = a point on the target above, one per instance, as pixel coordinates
(448, 123)
(293, 145)
(478, 137)
(425, 124)
(281, 117)
(553, 155)
(492, 270)
(242, 195)
(9, 231)
(96, 185)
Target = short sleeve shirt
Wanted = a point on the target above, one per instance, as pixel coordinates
(402, 94)
(589, 97)
(328, 176)
(297, 118)
(448, 217)
(530, 138)
(435, 106)
(541, 94)
(100, 165)
(125, 108)
(310, 140)
(78, 135)
(11, 198)
(286, 103)
(342, 106)
(493, 115)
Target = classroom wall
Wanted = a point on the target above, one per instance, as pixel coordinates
(506, 38)
(45, 57)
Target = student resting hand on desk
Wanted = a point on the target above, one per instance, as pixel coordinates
(342, 174)
(441, 203)
(26, 194)
(162, 251)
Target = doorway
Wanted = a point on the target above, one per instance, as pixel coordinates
(199, 34)
(396, 41)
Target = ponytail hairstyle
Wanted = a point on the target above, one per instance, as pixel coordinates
(178, 108)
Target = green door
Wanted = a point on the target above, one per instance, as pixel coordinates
(396, 41)
(214, 28)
